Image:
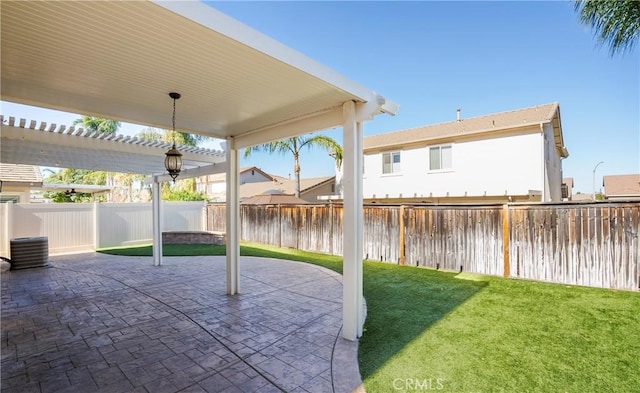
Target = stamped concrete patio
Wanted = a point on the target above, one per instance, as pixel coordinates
(102, 323)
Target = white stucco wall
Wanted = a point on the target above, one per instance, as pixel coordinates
(312, 195)
(511, 164)
(22, 193)
(252, 176)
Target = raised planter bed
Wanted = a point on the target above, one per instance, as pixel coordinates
(192, 237)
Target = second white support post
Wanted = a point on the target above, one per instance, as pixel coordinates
(233, 220)
(352, 300)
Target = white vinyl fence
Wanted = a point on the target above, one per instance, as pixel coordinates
(80, 227)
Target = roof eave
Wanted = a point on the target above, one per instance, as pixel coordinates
(332, 178)
(17, 183)
(450, 138)
(556, 123)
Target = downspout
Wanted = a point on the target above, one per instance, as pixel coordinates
(544, 164)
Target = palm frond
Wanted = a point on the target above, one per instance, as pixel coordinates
(98, 124)
(283, 146)
(150, 134)
(616, 23)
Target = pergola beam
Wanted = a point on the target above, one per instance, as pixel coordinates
(191, 172)
(317, 121)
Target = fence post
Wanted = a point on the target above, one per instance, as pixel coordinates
(401, 243)
(203, 217)
(505, 239)
(330, 227)
(207, 225)
(96, 226)
(279, 225)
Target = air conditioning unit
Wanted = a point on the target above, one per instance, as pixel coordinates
(27, 252)
(564, 189)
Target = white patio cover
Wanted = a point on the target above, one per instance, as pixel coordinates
(119, 60)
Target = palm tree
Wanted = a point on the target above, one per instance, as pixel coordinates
(98, 124)
(180, 138)
(614, 22)
(104, 126)
(150, 134)
(294, 146)
(73, 176)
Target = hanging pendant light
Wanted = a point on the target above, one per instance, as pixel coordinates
(173, 159)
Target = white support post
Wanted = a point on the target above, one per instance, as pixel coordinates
(8, 229)
(156, 207)
(359, 228)
(352, 315)
(233, 219)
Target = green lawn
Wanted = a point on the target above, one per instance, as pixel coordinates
(430, 330)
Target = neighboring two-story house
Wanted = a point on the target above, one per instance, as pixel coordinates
(215, 186)
(507, 156)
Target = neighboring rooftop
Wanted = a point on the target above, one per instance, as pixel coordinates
(622, 185)
(18, 174)
(222, 177)
(282, 185)
(582, 197)
(568, 181)
(539, 114)
(274, 199)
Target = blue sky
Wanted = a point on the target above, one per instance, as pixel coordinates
(482, 57)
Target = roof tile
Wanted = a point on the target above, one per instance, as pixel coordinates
(473, 125)
(622, 185)
(20, 173)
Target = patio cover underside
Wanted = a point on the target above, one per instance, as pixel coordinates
(119, 60)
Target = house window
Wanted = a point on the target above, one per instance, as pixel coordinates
(440, 158)
(391, 162)
(564, 191)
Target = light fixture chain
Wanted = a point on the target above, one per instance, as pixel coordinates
(173, 158)
(174, 122)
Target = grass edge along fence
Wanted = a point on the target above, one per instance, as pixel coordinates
(590, 244)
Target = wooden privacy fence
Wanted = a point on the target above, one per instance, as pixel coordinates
(594, 244)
